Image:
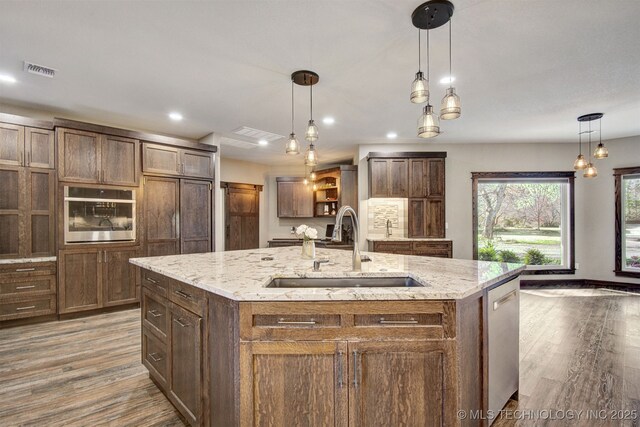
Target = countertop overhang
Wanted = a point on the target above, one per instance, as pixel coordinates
(242, 275)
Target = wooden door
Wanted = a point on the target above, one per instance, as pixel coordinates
(161, 211)
(293, 383)
(379, 178)
(11, 145)
(303, 200)
(12, 212)
(435, 217)
(198, 164)
(185, 348)
(285, 199)
(242, 216)
(398, 178)
(160, 159)
(195, 216)
(120, 160)
(40, 148)
(417, 177)
(435, 178)
(79, 156)
(40, 212)
(416, 217)
(119, 277)
(404, 383)
(79, 280)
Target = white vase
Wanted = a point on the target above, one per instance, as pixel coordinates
(308, 249)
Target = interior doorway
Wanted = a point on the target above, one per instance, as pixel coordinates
(241, 215)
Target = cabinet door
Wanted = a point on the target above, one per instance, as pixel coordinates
(185, 347)
(434, 218)
(79, 280)
(79, 156)
(398, 178)
(161, 208)
(198, 164)
(417, 178)
(119, 284)
(294, 383)
(302, 200)
(435, 178)
(416, 217)
(285, 199)
(11, 145)
(40, 148)
(195, 216)
(40, 212)
(12, 230)
(160, 159)
(401, 383)
(378, 178)
(120, 160)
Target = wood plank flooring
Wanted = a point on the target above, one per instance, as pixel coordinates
(579, 349)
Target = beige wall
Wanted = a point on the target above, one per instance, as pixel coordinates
(594, 197)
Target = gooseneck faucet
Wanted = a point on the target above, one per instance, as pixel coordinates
(337, 234)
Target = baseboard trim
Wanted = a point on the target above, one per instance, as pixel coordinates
(579, 283)
(104, 310)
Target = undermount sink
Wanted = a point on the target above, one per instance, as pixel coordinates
(344, 282)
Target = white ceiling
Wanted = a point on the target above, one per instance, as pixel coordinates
(525, 69)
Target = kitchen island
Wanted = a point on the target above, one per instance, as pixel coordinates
(228, 350)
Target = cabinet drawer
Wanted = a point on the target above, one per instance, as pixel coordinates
(28, 269)
(27, 307)
(154, 313)
(431, 246)
(187, 296)
(295, 320)
(155, 282)
(395, 320)
(154, 354)
(28, 285)
(392, 247)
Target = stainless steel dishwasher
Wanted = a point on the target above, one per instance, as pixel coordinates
(503, 323)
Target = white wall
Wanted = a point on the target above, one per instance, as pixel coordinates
(595, 214)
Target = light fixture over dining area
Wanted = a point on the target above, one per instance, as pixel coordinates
(581, 163)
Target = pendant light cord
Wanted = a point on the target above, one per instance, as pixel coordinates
(579, 138)
(292, 110)
(450, 81)
(419, 50)
(311, 89)
(427, 56)
(589, 141)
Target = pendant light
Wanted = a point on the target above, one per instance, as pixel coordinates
(450, 105)
(312, 129)
(293, 146)
(311, 156)
(590, 171)
(309, 78)
(313, 175)
(428, 123)
(420, 86)
(601, 151)
(581, 162)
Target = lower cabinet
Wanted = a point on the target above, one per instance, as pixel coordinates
(96, 278)
(433, 248)
(27, 290)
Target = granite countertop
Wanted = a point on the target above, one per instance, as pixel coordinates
(27, 260)
(407, 239)
(242, 275)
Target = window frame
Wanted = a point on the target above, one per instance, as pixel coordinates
(619, 174)
(569, 176)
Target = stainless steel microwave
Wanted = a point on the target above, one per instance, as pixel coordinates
(99, 214)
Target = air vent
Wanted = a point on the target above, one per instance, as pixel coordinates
(231, 142)
(39, 70)
(257, 134)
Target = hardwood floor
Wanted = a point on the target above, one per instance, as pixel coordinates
(579, 349)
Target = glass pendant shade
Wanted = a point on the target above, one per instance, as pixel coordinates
(590, 171)
(580, 163)
(428, 123)
(419, 89)
(450, 106)
(312, 132)
(311, 156)
(601, 152)
(313, 176)
(305, 181)
(293, 146)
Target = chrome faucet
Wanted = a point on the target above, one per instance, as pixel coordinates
(317, 262)
(337, 234)
(389, 232)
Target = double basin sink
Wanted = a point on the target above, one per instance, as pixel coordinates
(344, 282)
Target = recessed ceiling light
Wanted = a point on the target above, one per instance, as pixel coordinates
(447, 80)
(6, 78)
(328, 120)
(263, 142)
(392, 135)
(176, 117)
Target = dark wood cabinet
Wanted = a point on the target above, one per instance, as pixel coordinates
(90, 157)
(40, 148)
(398, 177)
(79, 279)
(388, 177)
(435, 178)
(195, 216)
(120, 284)
(12, 223)
(378, 178)
(417, 217)
(11, 144)
(241, 216)
(168, 160)
(27, 290)
(197, 164)
(161, 209)
(295, 198)
(434, 248)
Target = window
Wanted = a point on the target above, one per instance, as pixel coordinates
(525, 217)
(627, 221)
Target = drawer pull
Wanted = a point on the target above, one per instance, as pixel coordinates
(154, 313)
(504, 299)
(19, 288)
(31, 307)
(184, 325)
(149, 279)
(153, 356)
(296, 322)
(398, 322)
(183, 294)
(25, 269)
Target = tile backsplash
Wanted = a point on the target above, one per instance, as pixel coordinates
(379, 210)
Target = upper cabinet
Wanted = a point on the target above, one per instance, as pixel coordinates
(295, 198)
(388, 177)
(90, 157)
(426, 177)
(26, 146)
(168, 160)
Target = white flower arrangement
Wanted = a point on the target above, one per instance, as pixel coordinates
(306, 232)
